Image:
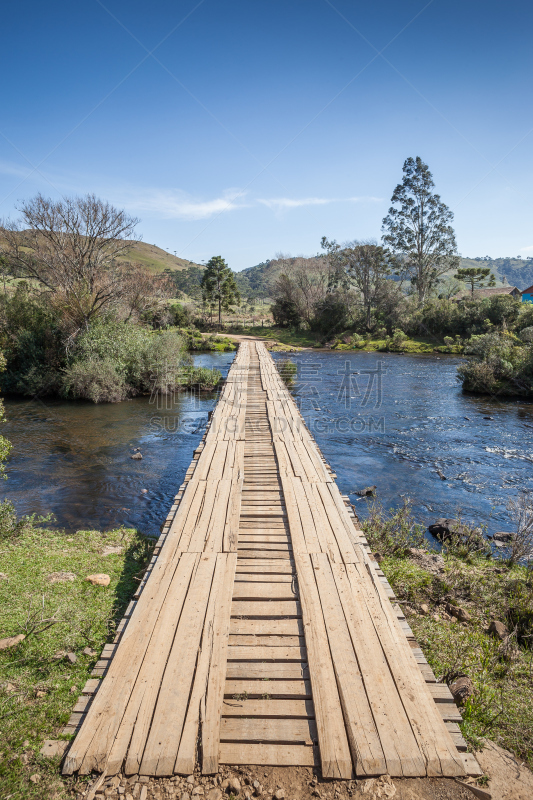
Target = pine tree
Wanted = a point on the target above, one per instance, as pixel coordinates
(219, 286)
(475, 277)
(419, 230)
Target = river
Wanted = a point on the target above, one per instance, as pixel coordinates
(382, 419)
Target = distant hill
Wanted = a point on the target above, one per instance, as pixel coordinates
(154, 258)
(517, 271)
(514, 271)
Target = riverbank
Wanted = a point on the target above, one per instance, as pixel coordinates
(472, 615)
(286, 339)
(66, 620)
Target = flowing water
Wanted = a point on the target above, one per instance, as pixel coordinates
(396, 421)
(383, 419)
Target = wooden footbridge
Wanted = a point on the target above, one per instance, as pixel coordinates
(264, 632)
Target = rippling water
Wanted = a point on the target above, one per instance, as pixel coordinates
(73, 459)
(418, 423)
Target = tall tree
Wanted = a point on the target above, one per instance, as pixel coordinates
(70, 247)
(219, 286)
(363, 264)
(475, 277)
(418, 229)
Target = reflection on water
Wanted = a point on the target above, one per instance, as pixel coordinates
(74, 459)
(397, 426)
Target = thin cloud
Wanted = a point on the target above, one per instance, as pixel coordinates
(179, 205)
(526, 249)
(283, 203)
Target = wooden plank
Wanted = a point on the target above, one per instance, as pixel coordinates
(154, 747)
(239, 689)
(365, 744)
(249, 577)
(432, 738)
(399, 745)
(334, 749)
(272, 671)
(288, 731)
(263, 627)
(267, 641)
(268, 754)
(266, 608)
(259, 653)
(186, 757)
(217, 671)
(268, 708)
(262, 591)
(90, 749)
(282, 555)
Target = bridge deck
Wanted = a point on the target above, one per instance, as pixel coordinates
(263, 634)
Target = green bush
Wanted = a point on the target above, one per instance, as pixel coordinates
(95, 379)
(500, 364)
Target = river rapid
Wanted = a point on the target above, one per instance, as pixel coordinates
(385, 419)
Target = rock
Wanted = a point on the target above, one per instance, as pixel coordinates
(368, 491)
(144, 792)
(3, 576)
(435, 617)
(441, 475)
(72, 657)
(61, 577)
(498, 629)
(491, 418)
(40, 693)
(88, 651)
(109, 550)
(462, 689)
(214, 794)
(503, 536)
(459, 613)
(432, 562)
(279, 795)
(137, 456)
(424, 609)
(445, 529)
(11, 641)
(378, 788)
(198, 790)
(99, 579)
(232, 786)
(185, 796)
(35, 778)
(73, 689)
(190, 778)
(144, 491)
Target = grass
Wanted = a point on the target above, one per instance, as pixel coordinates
(502, 706)
(39, 687)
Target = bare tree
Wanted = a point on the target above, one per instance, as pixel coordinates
(70, 247)
(365, 265)
(520, 546)
(302, 281)
(144, 291)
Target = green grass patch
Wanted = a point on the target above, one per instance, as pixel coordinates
(38, 685)
(502, 672)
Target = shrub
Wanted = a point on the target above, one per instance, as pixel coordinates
(95, 379)
(287, 369)
(393, 532)
(499, 365)
(526, 335)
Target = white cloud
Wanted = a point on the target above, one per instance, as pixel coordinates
(174, 204)
(282, 203)
(526, 249)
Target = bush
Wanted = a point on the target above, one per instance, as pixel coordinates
(95, 379)
(526, 335)
(499, 366)
(394, 532)
(286, 314)
(287, 370)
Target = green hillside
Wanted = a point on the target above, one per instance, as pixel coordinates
(513, 271)
(154, 258)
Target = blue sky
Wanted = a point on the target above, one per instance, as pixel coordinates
(250, 128)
